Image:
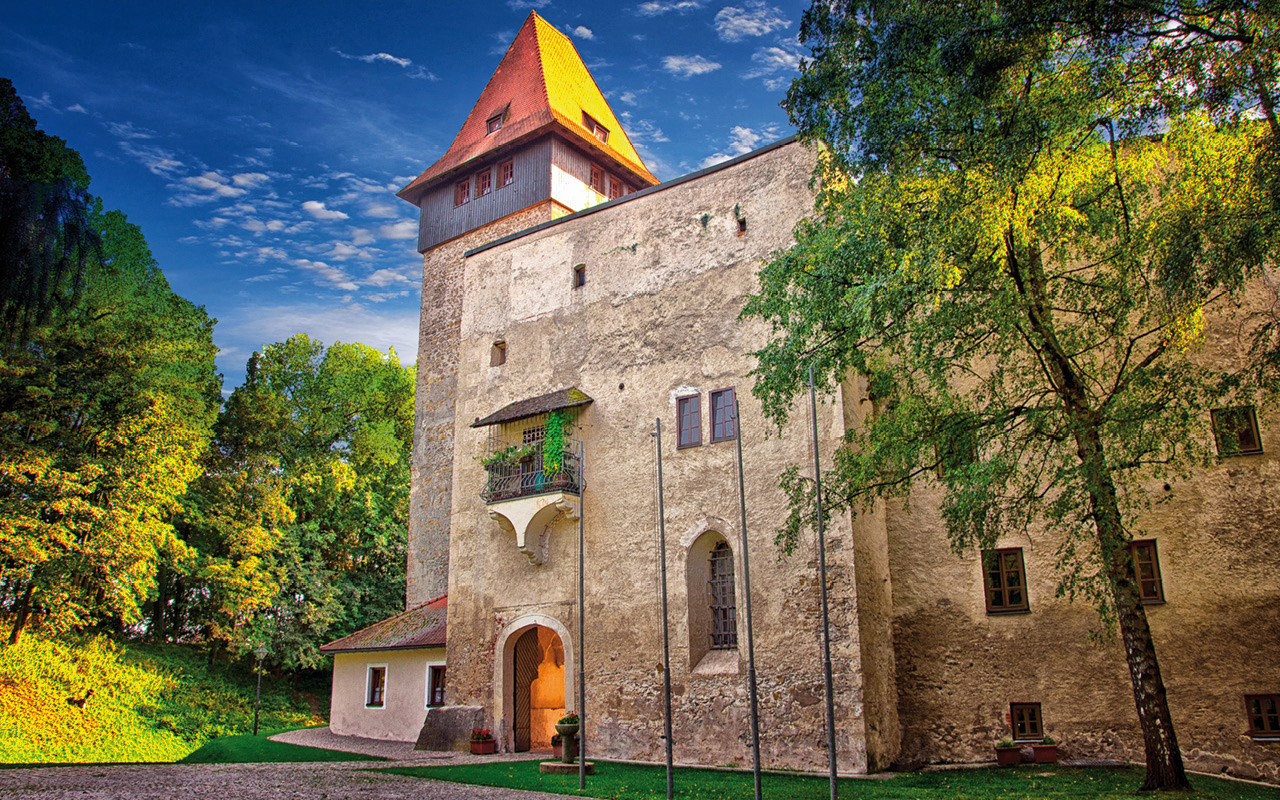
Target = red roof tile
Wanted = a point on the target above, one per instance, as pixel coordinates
(540, 84)
(420, 626)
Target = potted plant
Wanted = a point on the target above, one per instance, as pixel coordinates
(1046, 751)
(567, 727)
(482, 743)
(557, 747)
(1008, 753)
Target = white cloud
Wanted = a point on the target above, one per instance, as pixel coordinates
(361, 236)
(770, 62)
(204, 188)
(386, 277)
(127, 130)
(374, 57)
(248, 180)
(211, 224)
(408, 229)
(756, 18)
(582, 32)
(258, 226)
(655, 7)
(343, 251)
(517, 5)
(642, 130)
(381, 211)
(331, 275)
(158, 161)
(316, 209)
(246, 329)
(741, 140)
(628, 97)
(421, 73)
(42, 101)
(77, 108)
(271, 253)
(686, 66)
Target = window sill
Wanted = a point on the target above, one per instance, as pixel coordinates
(718, 662)
(1265, 739)
(1010, 613)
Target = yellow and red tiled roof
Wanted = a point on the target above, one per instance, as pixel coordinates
(541, 83)
(420, 626)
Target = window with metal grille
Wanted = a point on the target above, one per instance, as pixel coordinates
(506, 173)
(483, 182)
(1236, 430)
(377, 687)
(724, 614)
(461, 192)
(1005, 580)
(1264, 715)
(1146, 568)
(435, 691)
(1026, 721)
(689, 421)
(724, 422)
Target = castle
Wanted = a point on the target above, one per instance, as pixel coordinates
(570, 305)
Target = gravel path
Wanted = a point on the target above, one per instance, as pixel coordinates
(362, 780)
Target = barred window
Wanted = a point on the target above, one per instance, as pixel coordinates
(724, 614)
(1005, 580)
(1026, 721)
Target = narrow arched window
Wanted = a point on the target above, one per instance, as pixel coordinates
(724, 614)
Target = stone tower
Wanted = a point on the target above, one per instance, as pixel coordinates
(541, 142)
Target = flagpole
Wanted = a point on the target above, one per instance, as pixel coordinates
(746, 582)
(822, 583)
(582, 673)
(666, 648)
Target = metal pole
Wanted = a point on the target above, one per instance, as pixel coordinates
(822, 582)
(666, 649)
(582, 674)
(746, 583)
(257, 703)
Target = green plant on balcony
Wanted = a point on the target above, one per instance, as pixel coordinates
(553, 443)
(509, 455)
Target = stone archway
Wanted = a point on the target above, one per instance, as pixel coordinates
(549, 643)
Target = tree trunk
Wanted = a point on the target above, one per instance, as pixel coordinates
(20, 619)
(1164, 760)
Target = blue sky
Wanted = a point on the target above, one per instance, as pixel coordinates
(260, 145)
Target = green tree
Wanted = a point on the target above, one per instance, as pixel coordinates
(107, 392)
(1022, 271)
(305, 491)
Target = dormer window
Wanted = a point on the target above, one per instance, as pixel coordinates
(597, 130)
(493, 124)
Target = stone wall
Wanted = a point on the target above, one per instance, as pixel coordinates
(666, 275)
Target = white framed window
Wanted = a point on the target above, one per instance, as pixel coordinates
(435, 684)
(375, 686)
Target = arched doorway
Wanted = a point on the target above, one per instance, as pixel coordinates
(538, 691)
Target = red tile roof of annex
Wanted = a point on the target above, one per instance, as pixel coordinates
(420, 626)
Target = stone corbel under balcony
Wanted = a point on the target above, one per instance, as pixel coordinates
(531, 520)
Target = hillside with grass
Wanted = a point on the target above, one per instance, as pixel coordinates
(97, 700)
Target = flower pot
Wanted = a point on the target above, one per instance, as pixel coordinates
(1008, 756)
(569, 735)
(1046, 753)
(483, 748)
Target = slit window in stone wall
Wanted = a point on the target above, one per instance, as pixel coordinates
(689, 421)
(1146, 568)
(1236, 430)
(1264, 715)
(579, 276)
(1004, 580)
(1026, 722)
(498, 354)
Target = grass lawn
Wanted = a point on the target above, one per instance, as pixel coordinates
(248, 749)
(636, 782)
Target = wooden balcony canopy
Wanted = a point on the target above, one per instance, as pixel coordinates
(521, 409)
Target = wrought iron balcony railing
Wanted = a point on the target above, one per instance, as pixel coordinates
(527, 476)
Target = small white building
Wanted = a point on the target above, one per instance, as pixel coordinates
(387, 675)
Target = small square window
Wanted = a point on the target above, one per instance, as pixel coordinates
(689, 421)
(1236, 430)
(1146, 568)
(597, 179)
(484, 182)
(377, 687)
(1264, 715)
(724, 416)
(1004, 580)
(580, 276)
(493, 124)
(742, 226)
(461, 192)
(1026, 722)
(498, 354)
(435, 685)
(506, 173)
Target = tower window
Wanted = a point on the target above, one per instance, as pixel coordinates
(461, 192)
(498, 354)
(597, 130)
(724, 613)
(742, 226)
(484, 182)
(1236, 430)
(724, 422)
(1005, 580)
(493, 124)
(616, 187)
(506, 173)
(580, 276)
(597, 179)
(1146, 568)
(689, 421)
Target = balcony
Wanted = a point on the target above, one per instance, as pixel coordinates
(528, 476)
